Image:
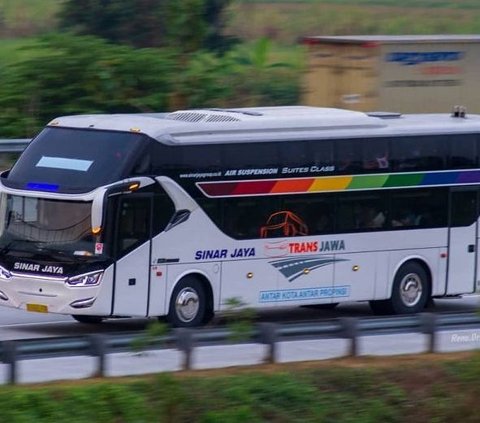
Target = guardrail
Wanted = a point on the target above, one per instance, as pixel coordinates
(269, 334)
(13, 145)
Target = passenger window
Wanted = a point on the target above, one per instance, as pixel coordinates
(418, 208)
(361, 212)
(316, 212)
(375, 155)
(256, 160)
(418, 153)
(246, 218)
(464, 208)
(348, 158)
(321, 156)
(463, 152)
(295, 155)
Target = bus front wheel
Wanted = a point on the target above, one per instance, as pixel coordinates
(188, 304)
(410, 291)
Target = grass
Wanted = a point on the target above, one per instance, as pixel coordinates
(446, 4)
(286, 22)
(440, 388)
(19, 18)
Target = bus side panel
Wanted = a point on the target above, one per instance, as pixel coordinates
(253, 282)
(355, 276)
(381, 274)
(131, 282)
(158, 290)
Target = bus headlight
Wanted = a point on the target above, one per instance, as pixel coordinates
(87, 279)
(4, 274)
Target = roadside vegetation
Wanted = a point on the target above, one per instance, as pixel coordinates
(127, 56)
(413, 389)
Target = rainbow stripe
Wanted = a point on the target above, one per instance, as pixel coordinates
(338, 183)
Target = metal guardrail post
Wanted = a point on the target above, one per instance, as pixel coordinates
(10, 355)
(428, 323)
(269, 336)
(98, 348)
(350, 331)
(184, 338)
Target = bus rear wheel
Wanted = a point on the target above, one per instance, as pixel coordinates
(410, 291)
(188, 304)
(91, 320)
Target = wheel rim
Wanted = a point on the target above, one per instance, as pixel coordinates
(411, 289)
(187, 304)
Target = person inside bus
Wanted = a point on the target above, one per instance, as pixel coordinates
(404, 217)
(379, 160)
(370, 217)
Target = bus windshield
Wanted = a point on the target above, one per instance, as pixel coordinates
(74, 160)
(52, 227)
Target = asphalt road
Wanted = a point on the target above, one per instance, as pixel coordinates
(19, 324)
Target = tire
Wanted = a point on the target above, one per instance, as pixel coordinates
(90, 320)
(188, 304)
(410, 292)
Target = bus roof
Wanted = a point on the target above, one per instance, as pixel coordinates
(256, 124)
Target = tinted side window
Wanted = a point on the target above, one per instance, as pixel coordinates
(321, 155)
(361, 212)
(163, 210)
(464, 208)
(348, 156)
(250, 156)
(375, 155)
(418, 153)
(418, 208)
(316, 212)
(252, 217)
(463, 151)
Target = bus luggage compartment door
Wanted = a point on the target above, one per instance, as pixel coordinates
(462, 244)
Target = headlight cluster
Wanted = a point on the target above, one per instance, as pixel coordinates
(4, 273)
(87, 279)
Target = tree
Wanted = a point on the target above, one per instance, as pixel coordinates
(187, 24)
(67, 74)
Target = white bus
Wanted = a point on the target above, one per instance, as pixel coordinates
(173, 214)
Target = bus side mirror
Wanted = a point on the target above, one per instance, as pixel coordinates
(98, 210)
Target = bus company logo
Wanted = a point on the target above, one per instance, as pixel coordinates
(411, 58)
(224, 253)
(29, 267)
(283, 248)
(293, 268)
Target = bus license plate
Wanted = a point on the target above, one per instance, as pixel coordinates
(37, 308)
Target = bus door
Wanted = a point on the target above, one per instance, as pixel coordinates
(132, 250)
(462, 241)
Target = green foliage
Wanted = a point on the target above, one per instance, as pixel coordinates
(449, 4)
(187, 25)
(239, 319)
(329, 394)
(150, 336)
(141, 23)
(65, 74)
